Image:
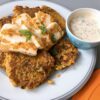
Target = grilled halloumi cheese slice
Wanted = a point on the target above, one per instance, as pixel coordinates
(34, 25)
(25, 22)
(27, 35)
(12, 40)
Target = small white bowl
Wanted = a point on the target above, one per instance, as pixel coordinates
(83, 44)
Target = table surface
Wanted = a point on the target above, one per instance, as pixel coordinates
(74, 4)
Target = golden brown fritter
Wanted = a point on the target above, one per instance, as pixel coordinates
(28, 72)
(64, 53)
(31, 11)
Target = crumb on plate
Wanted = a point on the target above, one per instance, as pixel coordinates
(50, 82)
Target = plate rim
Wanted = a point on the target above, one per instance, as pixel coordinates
(93, 61)
(83, 82)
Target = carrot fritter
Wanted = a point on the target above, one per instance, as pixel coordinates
(64, 53)
(28, 72)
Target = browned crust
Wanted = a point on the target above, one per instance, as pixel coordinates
(5, 20)
(28, 72)
(65, 54)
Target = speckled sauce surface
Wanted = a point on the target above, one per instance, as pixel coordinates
(86, 27)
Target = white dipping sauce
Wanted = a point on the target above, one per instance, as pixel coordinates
(86, 27)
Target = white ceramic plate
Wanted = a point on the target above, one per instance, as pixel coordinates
(71, 80)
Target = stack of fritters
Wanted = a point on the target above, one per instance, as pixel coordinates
(29, 72)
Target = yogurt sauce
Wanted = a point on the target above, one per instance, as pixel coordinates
(86, 27)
